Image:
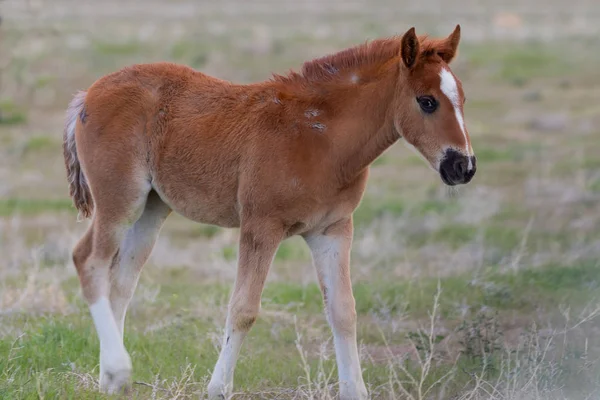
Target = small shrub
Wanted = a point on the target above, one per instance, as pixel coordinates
(481, 339)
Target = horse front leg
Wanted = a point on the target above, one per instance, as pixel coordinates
(258, 243)
(331, 256)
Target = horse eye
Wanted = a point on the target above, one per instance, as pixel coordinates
(428, 104)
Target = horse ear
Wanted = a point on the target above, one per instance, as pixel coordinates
(450, 47)
(410, 48)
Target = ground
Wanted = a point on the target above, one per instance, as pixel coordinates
(490, 291)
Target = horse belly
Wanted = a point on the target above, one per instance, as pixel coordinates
(208, 199)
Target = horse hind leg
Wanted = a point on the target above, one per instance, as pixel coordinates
(133, 253)
(93, 257)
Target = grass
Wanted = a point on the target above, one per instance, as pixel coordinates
(193, 53)
(33, 368)
(11, 113)
(512, 153)
(206, 231)
(518, 64)
(293, 249)
(372, 207)
(40, 143)
(116, 49)
(21, 206)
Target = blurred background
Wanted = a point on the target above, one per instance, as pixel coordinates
(485, 292)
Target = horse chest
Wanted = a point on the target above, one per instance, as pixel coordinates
(317, 211)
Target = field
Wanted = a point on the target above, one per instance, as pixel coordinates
(490, 291)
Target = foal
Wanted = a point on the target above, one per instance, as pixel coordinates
(285, 157)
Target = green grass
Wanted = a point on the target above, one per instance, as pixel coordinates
(205, 231)
(492, 154)
(372, 208)
(594, 186)
(435, 206)
(195, 54)
(455, 235)
(293, 249)
(44, 80)
(519, 290)
(229, 253)
(503, 237)
(11, 113)
(381, 160)
(41, 143)
(41, 361)
(117, 49)
(517, 64)
(23, 206)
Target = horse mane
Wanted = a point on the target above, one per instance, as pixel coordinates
(370, 53)
(327, 68)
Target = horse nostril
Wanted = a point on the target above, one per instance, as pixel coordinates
(460, 166)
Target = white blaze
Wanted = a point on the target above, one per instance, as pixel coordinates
(450, 89)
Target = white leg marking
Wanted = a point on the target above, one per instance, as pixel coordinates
(450, 89)
(330, 264)
(221, 381)
(352, 385)
(115, 364)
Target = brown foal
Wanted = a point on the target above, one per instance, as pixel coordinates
(289, 156)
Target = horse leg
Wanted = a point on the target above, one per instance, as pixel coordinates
(134, 250)
(258, 244)
(331, 257)
(117, 207)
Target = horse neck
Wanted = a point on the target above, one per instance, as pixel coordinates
(365, 128)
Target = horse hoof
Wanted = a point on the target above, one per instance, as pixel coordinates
(117, 382)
